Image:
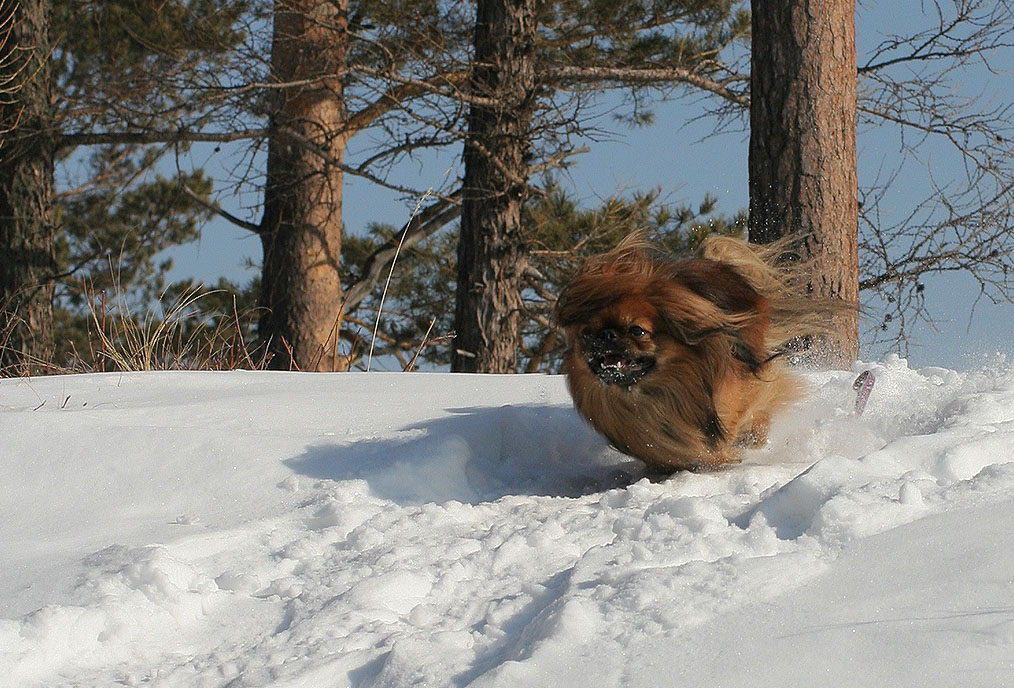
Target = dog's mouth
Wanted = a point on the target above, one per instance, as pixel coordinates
(620, 369)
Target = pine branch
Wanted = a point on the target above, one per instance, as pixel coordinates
(574, 74)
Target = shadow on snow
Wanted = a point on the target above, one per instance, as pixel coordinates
(475, 455)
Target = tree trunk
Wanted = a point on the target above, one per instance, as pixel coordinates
(492, 253)
(803, 147)
(301, 289)
(26, 189)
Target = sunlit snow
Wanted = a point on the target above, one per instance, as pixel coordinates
(385, 529)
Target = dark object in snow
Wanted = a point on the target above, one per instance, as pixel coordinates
(863, 386)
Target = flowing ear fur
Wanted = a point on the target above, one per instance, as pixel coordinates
(793, 311)
(703, 298)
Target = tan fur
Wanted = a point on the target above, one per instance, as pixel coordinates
(713, 326)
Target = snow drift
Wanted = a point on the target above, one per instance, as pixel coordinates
(272, 529)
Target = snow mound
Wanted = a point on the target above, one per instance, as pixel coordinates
(273, 529)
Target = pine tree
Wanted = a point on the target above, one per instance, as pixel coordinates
(301, 230)
(26, 188)
(803, 147)
(121, 72)
(492, 251)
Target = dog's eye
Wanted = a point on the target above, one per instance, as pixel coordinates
(637, 332)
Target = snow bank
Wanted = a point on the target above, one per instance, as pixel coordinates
(271, 529)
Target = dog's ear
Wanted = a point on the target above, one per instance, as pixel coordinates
(685, 316)
(720, 284)
(692, 307)
(703, 299)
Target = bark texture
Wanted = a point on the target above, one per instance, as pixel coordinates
(492, 252)
(301, 290)
(26, 188)
(802, 147)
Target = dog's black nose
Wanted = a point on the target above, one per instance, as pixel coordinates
(608, 335)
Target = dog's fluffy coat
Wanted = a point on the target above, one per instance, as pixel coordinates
(676, 361)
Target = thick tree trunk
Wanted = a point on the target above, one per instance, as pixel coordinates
(492, 253)
(802, 146)
(301, 289)
(26, 189)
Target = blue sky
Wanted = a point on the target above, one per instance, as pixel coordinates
(681, 154)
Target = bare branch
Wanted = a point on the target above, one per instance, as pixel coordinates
(153, 137)
(422, 225)
(217, 209)
(405, 90)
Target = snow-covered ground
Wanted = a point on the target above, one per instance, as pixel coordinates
(273, 529)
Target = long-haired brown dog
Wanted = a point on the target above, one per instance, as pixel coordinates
(677, 362)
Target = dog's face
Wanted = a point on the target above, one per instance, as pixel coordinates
(620, 343)
(635, 318)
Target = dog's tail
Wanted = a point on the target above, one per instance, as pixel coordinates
(778, 273)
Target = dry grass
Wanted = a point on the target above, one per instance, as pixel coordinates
(174, 339)
(173, 335)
